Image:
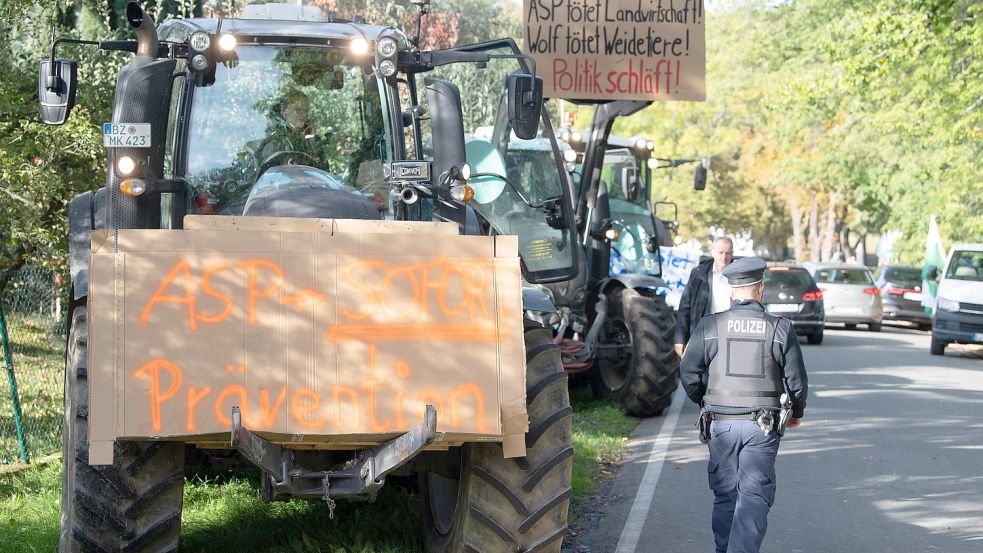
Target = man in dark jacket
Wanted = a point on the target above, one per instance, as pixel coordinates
(706, 291)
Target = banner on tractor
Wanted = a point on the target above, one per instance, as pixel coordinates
(618, 49)
(320, 331)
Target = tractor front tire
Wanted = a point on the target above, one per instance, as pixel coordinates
(487, 503)
(642, 382)
(133, 505)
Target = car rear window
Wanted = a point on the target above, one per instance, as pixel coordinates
(843, 276)
(789, 278)
(909, 275)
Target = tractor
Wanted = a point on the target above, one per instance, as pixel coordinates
(613, 323)
(283, 112)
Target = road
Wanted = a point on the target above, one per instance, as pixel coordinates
(888, 459)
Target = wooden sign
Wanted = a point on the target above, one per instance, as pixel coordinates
(618, 49)
(317, 336)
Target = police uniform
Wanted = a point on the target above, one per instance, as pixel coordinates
(737, 365)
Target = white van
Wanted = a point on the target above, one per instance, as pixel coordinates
(958, 314)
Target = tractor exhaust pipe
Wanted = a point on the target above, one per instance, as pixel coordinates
(143, 24)
(409, 195)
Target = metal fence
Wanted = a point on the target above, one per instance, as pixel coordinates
(32, 328)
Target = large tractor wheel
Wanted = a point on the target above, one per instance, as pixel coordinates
(483, 502)
(637, 365)
(133, 505)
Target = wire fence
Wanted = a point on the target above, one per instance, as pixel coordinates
(32, 328)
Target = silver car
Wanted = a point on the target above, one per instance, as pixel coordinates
(849, 293)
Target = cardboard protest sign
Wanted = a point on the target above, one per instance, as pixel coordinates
(618, 49)
(677, 264)
(324, 332)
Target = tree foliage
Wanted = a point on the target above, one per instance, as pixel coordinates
(863, 117)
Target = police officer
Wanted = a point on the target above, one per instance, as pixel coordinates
(737, 365)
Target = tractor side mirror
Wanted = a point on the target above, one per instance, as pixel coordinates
(700, 178)
(629, 183)
(56, 89)
(525, 104)
(447, 122)
(932, 273)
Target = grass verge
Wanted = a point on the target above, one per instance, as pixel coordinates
(223, 512)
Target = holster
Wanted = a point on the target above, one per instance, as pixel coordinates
(703, 424)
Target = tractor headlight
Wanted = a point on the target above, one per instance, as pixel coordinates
(387, 67)
(125, 165)
(199, 62)
(386, 47)
(199, 41)
(570, 156)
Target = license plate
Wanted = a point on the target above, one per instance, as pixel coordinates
(783, 307)
(126, 135)
(845, 310)
(913, 296)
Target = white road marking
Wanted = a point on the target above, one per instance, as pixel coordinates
(646, 489)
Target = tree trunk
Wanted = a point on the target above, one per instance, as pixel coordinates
(814, 230)
(795, 211)
(829, 229)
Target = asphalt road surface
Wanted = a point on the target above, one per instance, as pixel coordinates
(889, 458)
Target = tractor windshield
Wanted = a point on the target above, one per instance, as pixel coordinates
(284, 106)
(517, 182)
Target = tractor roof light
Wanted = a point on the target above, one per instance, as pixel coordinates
(576, 136)
(359, 46)
(650, 145)
(227, 42)
(641, 144)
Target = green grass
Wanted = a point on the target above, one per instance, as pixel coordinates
(600, 436)
(223, 512)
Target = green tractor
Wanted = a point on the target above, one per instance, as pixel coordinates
(613, 321)
(282, 112)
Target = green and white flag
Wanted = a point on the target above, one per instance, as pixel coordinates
(934, 257)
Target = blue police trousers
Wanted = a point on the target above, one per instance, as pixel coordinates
(741, 472)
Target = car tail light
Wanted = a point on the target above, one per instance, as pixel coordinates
(872, 291)
(813, 296)
(901, 291)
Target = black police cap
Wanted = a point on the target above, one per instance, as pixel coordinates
(744, 271)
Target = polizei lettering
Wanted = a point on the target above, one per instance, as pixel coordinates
(746, 326)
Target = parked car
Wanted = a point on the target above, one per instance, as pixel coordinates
(958, 314)
(791, 292)
(849, 294)
(901, 295)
